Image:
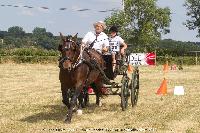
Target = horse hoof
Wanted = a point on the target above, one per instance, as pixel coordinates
(63, 105)
(67, 121)
(79, 112)
(100, 104)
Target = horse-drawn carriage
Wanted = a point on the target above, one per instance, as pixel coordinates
(128, 87)
(79, 70)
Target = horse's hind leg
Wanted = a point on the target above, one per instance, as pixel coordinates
(97, 89)
(83, 98)
(72, 105)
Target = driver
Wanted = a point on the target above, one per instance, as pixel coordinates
(97, 40)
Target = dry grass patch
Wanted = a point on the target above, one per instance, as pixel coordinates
(31, 102)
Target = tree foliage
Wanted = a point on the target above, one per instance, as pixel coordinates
(141, 23)
(43, 38)
(16, 31)
(16, 37)
(176, 48)
(193, 11)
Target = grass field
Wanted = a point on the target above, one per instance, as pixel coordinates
(30, 101)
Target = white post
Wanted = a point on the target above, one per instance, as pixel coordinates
(2, 41)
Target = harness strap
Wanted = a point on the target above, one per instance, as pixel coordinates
(105, 78)
(92, 44)
(94, 65)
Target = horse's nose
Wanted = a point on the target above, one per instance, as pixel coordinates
(67, 65)
(69, 68)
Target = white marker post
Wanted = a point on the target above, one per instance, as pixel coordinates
(178, 90)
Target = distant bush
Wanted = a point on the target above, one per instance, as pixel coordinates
(28, 52)
(28, 55)
(185, 60)
(35, 55)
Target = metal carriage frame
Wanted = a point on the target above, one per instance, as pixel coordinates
(129, 85)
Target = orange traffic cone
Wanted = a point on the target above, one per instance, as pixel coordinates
(166, 67)
(163, 88)
(130, 68)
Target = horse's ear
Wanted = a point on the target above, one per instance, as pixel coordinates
(62, 37)
(75, 37)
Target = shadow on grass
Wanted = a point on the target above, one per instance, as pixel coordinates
(58, 113)
(55, 112)
(93, 108)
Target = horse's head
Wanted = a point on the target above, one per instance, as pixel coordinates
(69, 51)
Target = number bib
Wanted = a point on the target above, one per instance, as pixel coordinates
(114, 46)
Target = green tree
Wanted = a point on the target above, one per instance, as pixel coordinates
(141, 23)
(37, 32)
(193, 11)
(16, 31)
(43, 38)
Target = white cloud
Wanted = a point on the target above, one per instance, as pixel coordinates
(50, 22)
(108, 1)
(27, 13)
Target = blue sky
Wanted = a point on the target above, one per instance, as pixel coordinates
(71, 21)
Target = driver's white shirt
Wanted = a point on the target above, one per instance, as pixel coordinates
(100, 41)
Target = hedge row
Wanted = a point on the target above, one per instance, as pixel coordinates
(28, 52)
(33, 55)
(28, 55)
(29, 59)
(54, 59)
(186, 60)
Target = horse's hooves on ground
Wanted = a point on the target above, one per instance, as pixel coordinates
(74, 109)
(67, 121)
(63, 105)
(79, 112)
(100, 104)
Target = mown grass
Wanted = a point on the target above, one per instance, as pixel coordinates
(30, 101)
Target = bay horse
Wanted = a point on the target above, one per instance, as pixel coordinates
(76, 72)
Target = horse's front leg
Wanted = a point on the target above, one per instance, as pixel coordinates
(65, 95)
(72, 105)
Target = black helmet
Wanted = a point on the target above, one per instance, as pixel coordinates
(113, 29)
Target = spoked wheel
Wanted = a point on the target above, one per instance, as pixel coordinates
(124, 93)
(135, 87)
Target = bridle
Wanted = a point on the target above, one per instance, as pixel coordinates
(69, 46)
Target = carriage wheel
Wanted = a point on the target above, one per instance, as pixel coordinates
(124, 93)
(135, 87)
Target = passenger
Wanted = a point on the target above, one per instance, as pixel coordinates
(117, 44)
